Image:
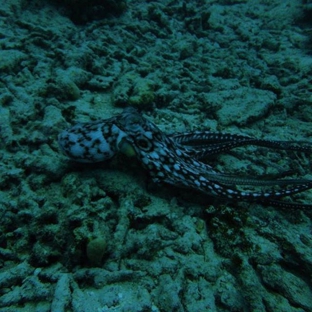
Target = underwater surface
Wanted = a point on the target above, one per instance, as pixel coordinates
(102, 236)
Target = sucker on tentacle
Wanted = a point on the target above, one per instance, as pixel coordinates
(173, 159)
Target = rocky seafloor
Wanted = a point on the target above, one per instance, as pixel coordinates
(97, 237)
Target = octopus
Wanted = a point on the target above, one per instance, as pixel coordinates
(181, 159)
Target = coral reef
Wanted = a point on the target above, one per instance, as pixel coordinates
(167, 249)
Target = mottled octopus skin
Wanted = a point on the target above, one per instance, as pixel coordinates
(92, 141)
(174, 159)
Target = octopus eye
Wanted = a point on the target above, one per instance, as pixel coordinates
(144, 144)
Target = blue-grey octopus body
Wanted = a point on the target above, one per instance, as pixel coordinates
(175, 159)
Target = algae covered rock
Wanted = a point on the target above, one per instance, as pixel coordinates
(83, 11)
(10, 60)
(135, 91)
(96, 249)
